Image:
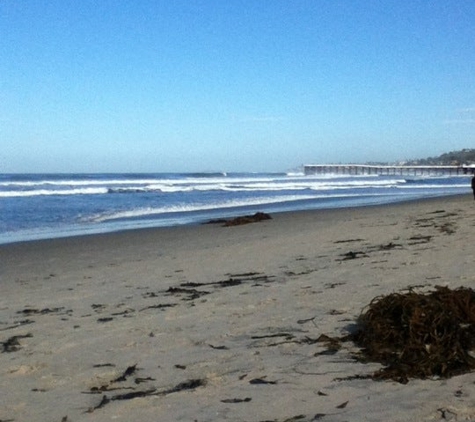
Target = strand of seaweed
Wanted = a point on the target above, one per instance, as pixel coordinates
(191, 292)
(186, 385)
(129, 372)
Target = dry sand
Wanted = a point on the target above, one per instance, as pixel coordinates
(212, 323)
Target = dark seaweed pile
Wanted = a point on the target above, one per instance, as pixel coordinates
(419, 335)
(245, 219)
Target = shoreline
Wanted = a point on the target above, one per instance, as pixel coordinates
(195, 224)
(213, 323)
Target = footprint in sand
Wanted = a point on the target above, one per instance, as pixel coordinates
(26, 369)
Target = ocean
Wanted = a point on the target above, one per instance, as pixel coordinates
(42, 206)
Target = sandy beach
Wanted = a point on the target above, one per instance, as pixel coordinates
(211, 323)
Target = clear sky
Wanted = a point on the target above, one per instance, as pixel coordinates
(230, 85)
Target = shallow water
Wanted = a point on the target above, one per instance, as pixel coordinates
(36, 206)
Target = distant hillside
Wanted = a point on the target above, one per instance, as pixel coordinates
(454, 158)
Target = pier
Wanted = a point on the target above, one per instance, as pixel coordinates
(365, 169)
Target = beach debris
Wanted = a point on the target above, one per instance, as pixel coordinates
(260, 381)
(191, 293)
(254, 277)
(98, 307)
(342, 406)
(332, 344)
(389, 246)
(419, 335)
(419, 239)
(287, 336)
(250, 276)
(218, 347)
(223, 283)
(105, 319)
(127, 373)
(369, 250)
(189, 290)
(105, 400)
(296, 418)
(299, 418)
(231, 281)
(133, 395)
(333, 285)
(140, 380)
(352, 255)
(349, 240)
(159, 306)
(183, 386)
(304, 321)
(32, 311)
(282, 338)
(245, 219)
(178, 366)
(444, 223)
(127, 313)
(245, 400)
(12, 344)
(18, 324)
(258, 216)
(186, 385)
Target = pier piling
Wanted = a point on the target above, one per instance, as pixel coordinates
(363, 169)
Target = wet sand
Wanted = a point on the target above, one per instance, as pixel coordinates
(211, 323)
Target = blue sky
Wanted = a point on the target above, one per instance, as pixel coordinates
(214, 85)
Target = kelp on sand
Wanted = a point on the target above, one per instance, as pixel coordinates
(419, 335)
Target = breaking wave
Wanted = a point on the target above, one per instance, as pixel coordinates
(153, 211)
(189, 184)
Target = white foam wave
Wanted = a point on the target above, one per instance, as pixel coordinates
(188, 184)
(231, 185)
(145, 212)
(186, 180)
(97, 182)
(260, 185)
(151, 211)
(40, 192)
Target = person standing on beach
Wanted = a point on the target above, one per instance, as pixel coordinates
(473, 185)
